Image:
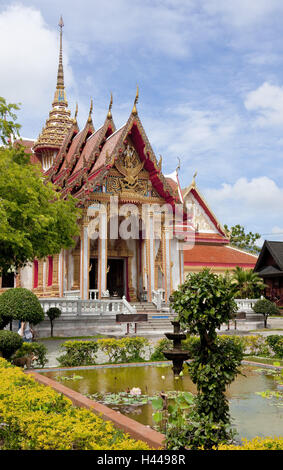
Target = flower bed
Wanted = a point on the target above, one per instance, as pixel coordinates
(33, 416)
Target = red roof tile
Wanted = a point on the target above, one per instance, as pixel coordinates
(218, 255)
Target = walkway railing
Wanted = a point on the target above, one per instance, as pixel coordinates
(76, 307)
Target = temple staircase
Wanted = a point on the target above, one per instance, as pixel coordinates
(158, 322)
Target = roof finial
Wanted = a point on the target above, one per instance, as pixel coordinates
(90, 111)
(109, 115)
(194, 181)
(134, 111)
(179, 165)
(76, 114)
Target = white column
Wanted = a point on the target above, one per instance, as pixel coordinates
(84, 262)
(166, 240)
(102, 252)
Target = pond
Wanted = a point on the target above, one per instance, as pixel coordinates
(252, 414)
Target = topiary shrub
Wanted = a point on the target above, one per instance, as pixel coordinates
(52, 314)
(266, 308)
(9, 343)
(203, 303)
(20, 304)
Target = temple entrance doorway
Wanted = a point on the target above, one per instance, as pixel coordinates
(116, 277)
(93, 273)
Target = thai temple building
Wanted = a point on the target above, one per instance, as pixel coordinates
(113, 174)
(104, 169)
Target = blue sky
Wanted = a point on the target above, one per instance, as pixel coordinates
(210, 74)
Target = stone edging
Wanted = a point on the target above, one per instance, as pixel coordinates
(136, 430)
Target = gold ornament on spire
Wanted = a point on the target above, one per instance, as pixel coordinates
(59, 121)
(134, 111)
(76, 114)
(109, 114)
(90, 111)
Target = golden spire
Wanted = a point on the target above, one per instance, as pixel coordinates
(134, 111)
(109, 114)
(59, 121)
(90, 111)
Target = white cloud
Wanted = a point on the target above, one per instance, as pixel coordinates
(267, 103)
(242, 13)
(29, 60)
(256, 203)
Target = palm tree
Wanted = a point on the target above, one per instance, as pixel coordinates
(246, 283)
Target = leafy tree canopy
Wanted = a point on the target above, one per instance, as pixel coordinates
(242, 240)
(247, 284)
(34, 220)
(8, 125)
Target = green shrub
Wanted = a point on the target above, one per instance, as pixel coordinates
(276, 344)
(256, 345)
(30, 349)
(159, 347)
(20, 304)
(123, 350)
(9, 343)
(266, 308)
(78, 353)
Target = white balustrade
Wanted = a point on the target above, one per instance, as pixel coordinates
(158, 298)
(245, 305)
(76, 307)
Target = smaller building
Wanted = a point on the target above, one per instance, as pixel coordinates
(210, 247)
(269, 267)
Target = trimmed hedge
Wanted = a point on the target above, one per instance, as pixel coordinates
(35, 417)
(78, 353)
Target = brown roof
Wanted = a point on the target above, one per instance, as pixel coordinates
(218, 255)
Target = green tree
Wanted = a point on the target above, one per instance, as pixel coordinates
(247, 284)
(34, 219)
(203, 303)
(266, 308)
(242, 240)
(8, 125)
(52, 314)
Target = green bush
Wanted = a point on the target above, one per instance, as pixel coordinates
(78, 353)
(266, 308)
(9, 343)
(30, 349)
(276, 344)
(124, 350)
(159, 347)
(256, 345)
(20, 304)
